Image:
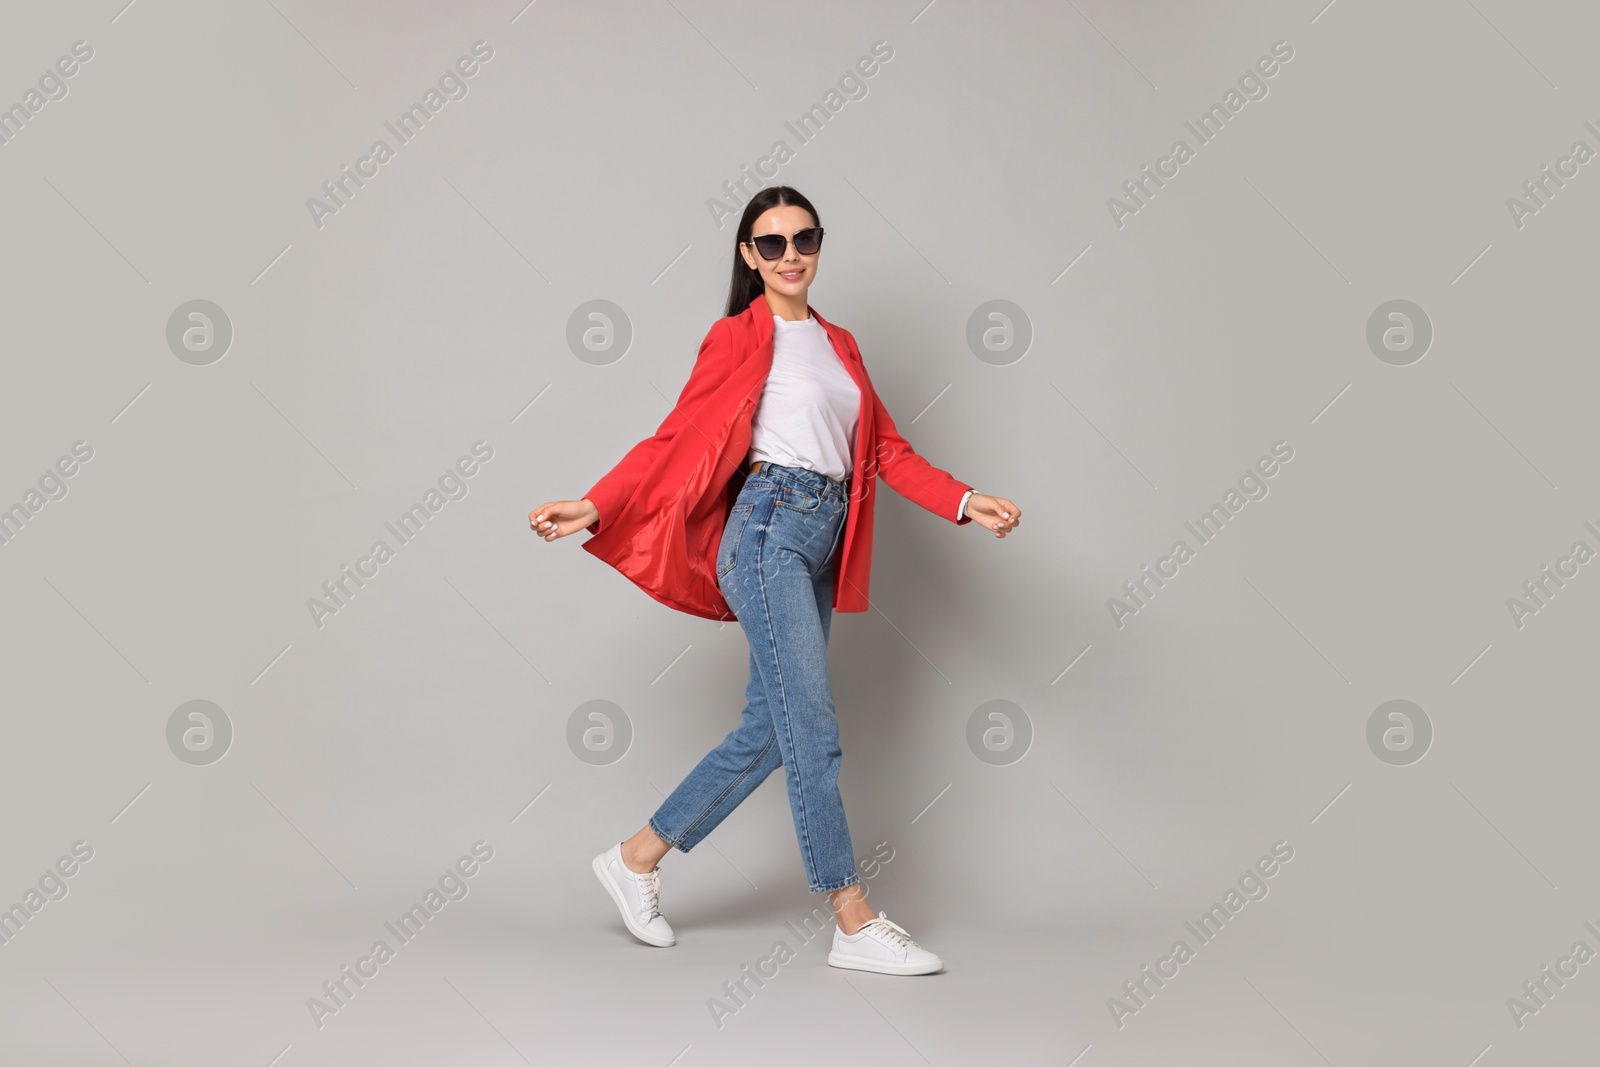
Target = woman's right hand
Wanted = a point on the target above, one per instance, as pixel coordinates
(557, 518)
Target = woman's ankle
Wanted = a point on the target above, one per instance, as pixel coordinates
(850, 925)
(850, 909)
(643, 851)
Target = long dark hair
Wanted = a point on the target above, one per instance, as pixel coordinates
(746, 283)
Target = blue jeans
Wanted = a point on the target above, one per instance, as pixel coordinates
(775, 567)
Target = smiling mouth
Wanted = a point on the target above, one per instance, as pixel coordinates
(791, 274)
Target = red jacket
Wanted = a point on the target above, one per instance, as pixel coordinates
(662, 508)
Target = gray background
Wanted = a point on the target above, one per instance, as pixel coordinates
(431, 712)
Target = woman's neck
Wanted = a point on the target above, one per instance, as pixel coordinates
(790, 309)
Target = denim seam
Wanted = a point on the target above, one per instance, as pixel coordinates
(837, 537)
(822, 495)
(833, 886)
(751, 506)
(659, 831)
(781, 480)
(772, 739)
(788, 721)
(800, 510)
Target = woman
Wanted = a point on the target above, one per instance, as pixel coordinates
(754, 501)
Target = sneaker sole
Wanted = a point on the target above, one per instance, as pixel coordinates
(854, 963)
(598, 867)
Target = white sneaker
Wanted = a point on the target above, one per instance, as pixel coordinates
(881, 945)
(638, 897)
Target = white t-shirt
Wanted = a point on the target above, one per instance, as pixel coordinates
(810, 406)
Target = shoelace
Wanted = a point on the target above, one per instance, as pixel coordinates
(895, 933)
(650, 887)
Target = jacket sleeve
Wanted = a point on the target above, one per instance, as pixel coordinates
(613, 491)
(909, 474)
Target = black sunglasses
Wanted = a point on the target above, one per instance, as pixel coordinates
(773, 245)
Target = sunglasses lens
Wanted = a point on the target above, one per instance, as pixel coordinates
(773, 245)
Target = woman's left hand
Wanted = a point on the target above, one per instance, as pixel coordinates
(994, 512)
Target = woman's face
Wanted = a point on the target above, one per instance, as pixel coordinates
(791, 273)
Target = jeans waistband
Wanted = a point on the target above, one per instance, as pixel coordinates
(820, 483)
